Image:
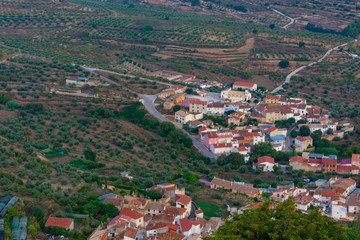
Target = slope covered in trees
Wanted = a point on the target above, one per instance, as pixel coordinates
(283, 222)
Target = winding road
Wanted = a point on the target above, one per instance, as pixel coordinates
(288, 77)
(148, 102)
(284, 15)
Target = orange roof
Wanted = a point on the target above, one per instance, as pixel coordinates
(174, 211)
(130, 233)
(272, 97)
(301, 139)
(298, 159)
(59, 222)
(327, 193)
(183, 199)
(131, 213)
(241, 149)
(355, 157)
(244, 84)
(164, 217)
(267, 159)
(272, 129)
(185, 224)
(197, 102)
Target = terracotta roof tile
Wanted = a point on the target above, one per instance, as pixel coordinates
(59, 222)
(183, 199)
(130, 233)
(131, 213)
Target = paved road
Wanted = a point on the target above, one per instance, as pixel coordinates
(193, 209)
(288, 142)
(148, 101)
(288, 77)
(284, 15)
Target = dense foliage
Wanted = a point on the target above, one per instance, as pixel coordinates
(283, 222)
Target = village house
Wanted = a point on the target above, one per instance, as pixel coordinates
(166, 93)
(197, 106)
(136, 219)
(175, 99)
(267, 163)
(160, 228)
(183, 201)
(64, 223)
(303, 201)
(338, 208)
(274, 131)
(235, 96)
(236, 118)
(355, 159)
(221, 148)
(78, 81)
(178, 89)
(353, 202)
(177, 213)
(185, 117)
(271, 99)
(188, 227)
(154, 208)
(254, 137)
(216, 108)
(246, 189)
(302, 143)
(245, 86)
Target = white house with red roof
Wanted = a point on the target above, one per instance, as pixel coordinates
(303, 201)
(188, 227)
(160, 228)
(266, 162)
(183, 201)
(245, 85)
(136, 219)
(221, 148)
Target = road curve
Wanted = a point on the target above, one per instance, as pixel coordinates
(148, 102)
(288, 77)
(284, 15)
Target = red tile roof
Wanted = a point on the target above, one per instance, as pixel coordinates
(302, 139)
(329, 161)
(130, 233)
(172, 227)
(59, 222)
(243, 84)
(131, 213)
(272, 97)
(267, 159)
(298, 159)
(185, 224)
(164, 217)
(272, 129)
(328, 193)
(174, 211)
(342, 168)
(198, 102)
(183, 199)
(241, 149)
